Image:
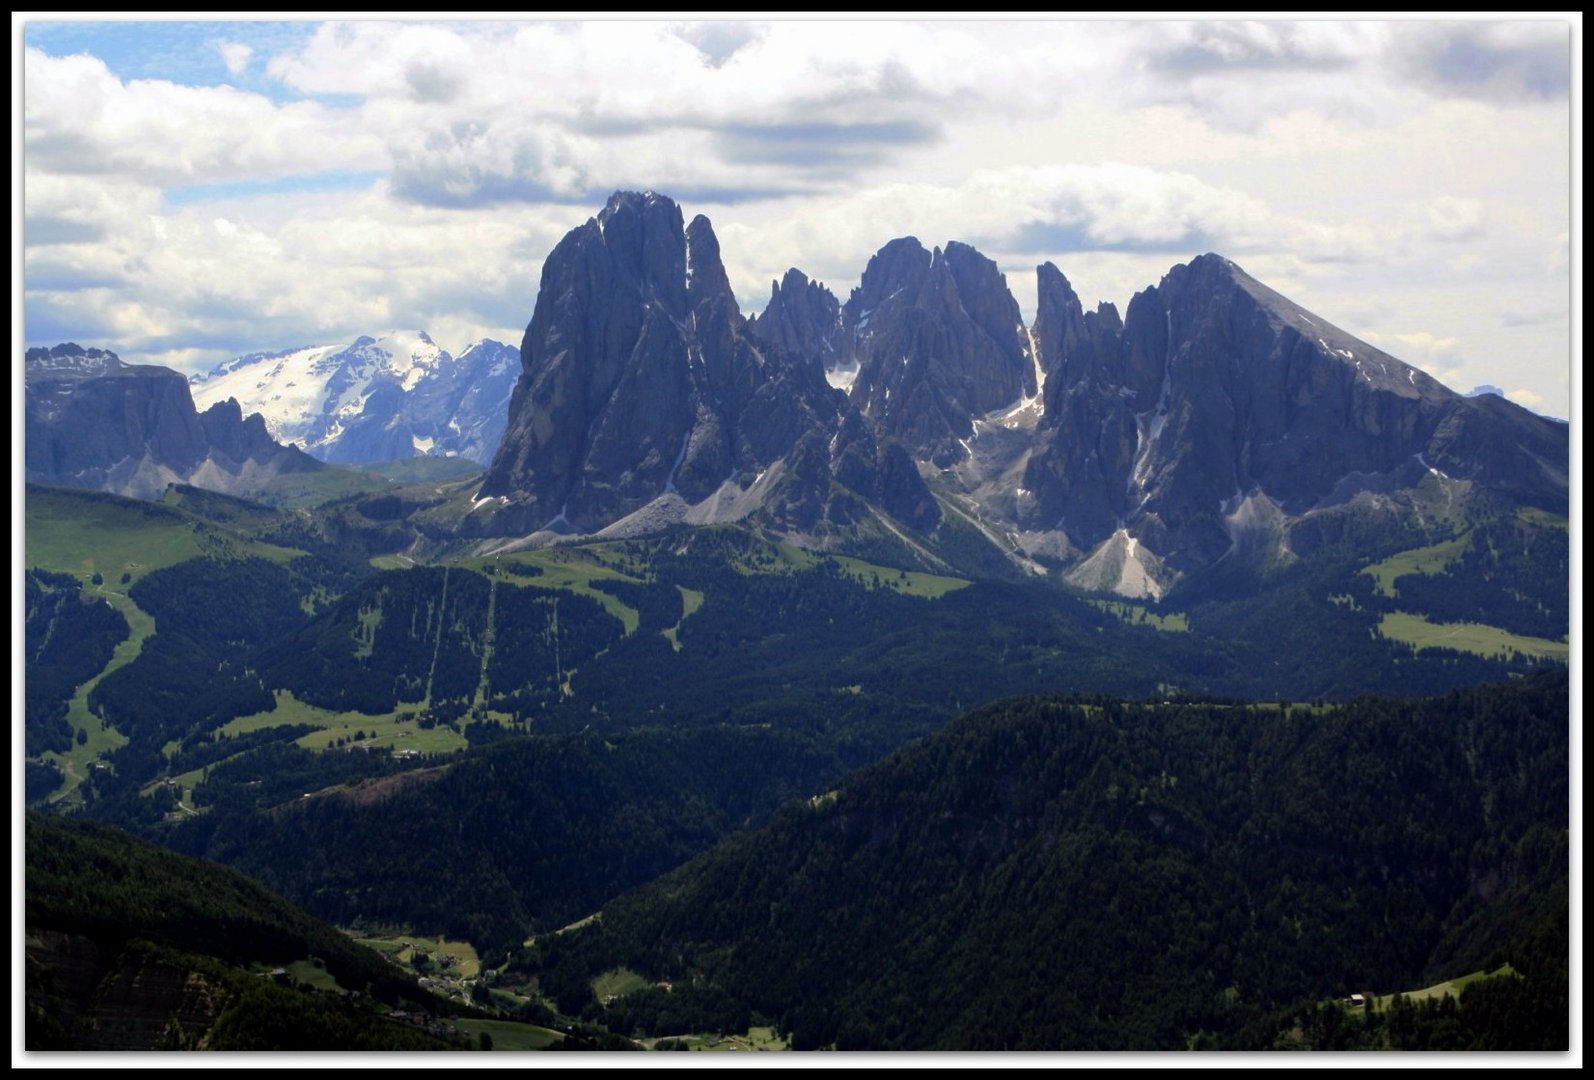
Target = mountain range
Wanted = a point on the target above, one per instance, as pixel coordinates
(1215, 418)
(1213, 421)
(374, 399)
(597, 713)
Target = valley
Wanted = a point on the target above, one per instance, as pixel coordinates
(796, 538)
(441, 711)
(716, 707)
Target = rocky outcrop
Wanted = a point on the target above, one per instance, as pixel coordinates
(1211, 419)
(85, 994)
(644, 392)
(1087, 437)
(802, 317)
(938, 341)
(92, 421)
(235, 435)
(1217, 389)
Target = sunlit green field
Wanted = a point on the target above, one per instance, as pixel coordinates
(1451, 987)
(402, 949)
(618, 983)
(1475, 638)
(571, 569)
(1425, 560)
(1140, 615)
(398, 730)
(83, 534)
(509, 1035)
(907, 582)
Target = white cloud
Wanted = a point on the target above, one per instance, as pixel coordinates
(1560, 259)
(1452, 218)
(235, 55)
(195, 286)
(1238, 75)
(80, 118)
(1427, 346)
(1511, 62)
(78, 209)
(1071, 214)
(1388, 174)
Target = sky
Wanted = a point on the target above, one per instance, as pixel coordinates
(194, 191)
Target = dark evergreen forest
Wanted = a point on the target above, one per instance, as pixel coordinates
(1051, 874)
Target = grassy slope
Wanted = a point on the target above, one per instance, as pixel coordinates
(1475, 638)
(1433, 559)
(397, 729)
(83, 533)
(571, 569)
(402, 949)
(691, 600)
(907, 582)
(1451, 987)
(510, 1035)
(1139, 615)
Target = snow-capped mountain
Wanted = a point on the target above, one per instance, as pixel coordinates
(376, 399)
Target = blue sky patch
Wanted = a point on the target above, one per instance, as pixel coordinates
(186, 53)
(334, 180)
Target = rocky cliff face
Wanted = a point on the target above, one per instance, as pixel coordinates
(84, 994)
(1087, 442)
(1217, 391)
(928, 343)
(802, 317)
(644, 393)
(938, 341)
(1214, 417)
(92, 421)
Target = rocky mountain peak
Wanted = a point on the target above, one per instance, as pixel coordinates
(899, 267)
(68, 360)
(644, 398)
(1059, 323)
(938, 342)
(1218, 395)
(803, 317)
(706, 281)
(644, 237)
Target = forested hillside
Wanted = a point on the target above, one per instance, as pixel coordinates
(500, 745)
(133, 947)
(1050, 874)
(520, 837)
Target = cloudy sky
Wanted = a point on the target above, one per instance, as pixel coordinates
(194, 191)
